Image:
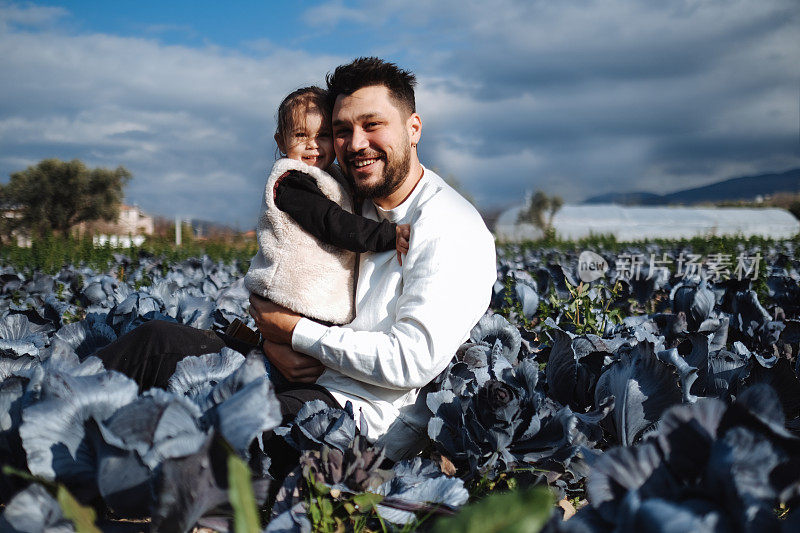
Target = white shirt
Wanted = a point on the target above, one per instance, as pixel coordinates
(410, 319)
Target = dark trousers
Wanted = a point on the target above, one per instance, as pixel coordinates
(150, 353)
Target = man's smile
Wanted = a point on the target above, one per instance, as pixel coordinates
(360, 163)
(366, 159)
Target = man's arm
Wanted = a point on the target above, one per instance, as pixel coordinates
(276, 324)
(446, 285)
(295, 367)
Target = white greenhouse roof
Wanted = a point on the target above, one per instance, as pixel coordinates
(653, 222)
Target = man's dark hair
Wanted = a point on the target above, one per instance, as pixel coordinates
(370, 71)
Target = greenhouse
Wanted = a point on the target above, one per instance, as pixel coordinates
(631, 223)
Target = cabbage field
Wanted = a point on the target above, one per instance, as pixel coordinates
(608, 387)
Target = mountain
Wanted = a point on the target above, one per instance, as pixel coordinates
(625, 198)
(744, 188)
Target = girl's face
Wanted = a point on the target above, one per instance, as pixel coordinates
(309, 140)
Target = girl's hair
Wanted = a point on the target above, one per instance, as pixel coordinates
(295, 105)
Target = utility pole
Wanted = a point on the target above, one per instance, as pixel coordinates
(177, 230)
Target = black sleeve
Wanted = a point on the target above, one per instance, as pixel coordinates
(298, 195)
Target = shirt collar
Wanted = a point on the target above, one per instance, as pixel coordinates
(399, 213)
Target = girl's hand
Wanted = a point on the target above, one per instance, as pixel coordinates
(403, 236)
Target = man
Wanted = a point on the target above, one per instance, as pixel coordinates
(410, 319)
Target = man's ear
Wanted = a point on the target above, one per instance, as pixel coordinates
(414, 125)
(279, 142)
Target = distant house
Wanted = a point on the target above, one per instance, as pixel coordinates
(130, 228)
(629, 223)
(22, 237)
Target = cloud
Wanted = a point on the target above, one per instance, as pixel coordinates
(329, 14)
(194, 126)
(29, 15)
(576, 98)
(611, 95)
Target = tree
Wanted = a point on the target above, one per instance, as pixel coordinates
(540, 210)
(55, 195)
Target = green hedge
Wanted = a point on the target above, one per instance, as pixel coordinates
(51, 253)
(699, 245)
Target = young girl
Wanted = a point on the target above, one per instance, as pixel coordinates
(307, 233)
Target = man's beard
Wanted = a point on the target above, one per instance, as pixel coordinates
(394, 173)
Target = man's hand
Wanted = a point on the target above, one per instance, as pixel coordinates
(275, 323)
(295, 367)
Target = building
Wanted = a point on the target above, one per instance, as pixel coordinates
(22, 237)
(130, 228)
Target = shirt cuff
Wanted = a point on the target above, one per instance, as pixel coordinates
(306, 336)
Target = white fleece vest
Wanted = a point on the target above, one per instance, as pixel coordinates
(292, 267)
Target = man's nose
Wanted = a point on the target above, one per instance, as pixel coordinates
(359, 140)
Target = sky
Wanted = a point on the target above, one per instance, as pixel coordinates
(574, 98)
